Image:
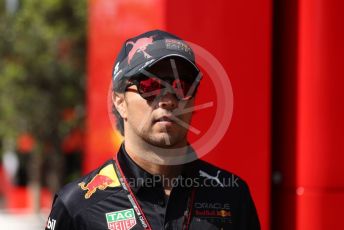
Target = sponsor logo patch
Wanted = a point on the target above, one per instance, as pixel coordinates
(116, 71)
(208, 176)
(107, 177)
(173, 44)
(121, 220)
(213, 212)
(51, 224)
(139, 46)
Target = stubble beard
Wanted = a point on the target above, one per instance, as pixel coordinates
(165, 139)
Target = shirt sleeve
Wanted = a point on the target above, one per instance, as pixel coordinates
(59, 218)
(253, 219)
(249, 218)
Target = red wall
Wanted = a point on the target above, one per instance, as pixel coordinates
(240, 38)
(237, 33)
(308, 115)
(320, 136)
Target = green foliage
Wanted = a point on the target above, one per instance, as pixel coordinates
(42, 66)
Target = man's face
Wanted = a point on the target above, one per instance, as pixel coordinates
(161, 122)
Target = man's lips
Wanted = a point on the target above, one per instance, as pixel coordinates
(164, 120)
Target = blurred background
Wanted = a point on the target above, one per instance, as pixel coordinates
(42, 105)
(285, 63)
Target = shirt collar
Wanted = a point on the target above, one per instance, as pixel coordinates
(136, 176)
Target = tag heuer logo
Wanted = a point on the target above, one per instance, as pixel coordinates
(121, 220)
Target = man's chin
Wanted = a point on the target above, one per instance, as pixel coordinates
(166, 140)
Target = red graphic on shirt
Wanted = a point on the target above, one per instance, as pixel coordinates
(122, 225)
(213, 213)
(139, 46)
(98, 182)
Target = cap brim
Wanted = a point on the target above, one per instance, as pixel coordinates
(152, 62)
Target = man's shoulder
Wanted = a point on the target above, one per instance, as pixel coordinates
(225, 191)
(220, 177)
(88, 190)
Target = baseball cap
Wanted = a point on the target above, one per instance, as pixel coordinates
(143, 51)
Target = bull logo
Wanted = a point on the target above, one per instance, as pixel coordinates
(139, 46)
(107, 177)
(223, 213)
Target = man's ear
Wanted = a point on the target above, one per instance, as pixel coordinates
(119, 103)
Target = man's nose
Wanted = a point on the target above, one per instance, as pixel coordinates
(168, 100)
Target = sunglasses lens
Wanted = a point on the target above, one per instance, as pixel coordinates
(182, 88)
(149, 88)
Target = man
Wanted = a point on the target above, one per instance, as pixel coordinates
(155, 180)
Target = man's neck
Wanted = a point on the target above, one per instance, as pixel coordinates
(152, 159)
(154, 163)
(167, 171)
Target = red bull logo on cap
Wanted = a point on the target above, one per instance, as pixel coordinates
(139, 46)
(106, 177)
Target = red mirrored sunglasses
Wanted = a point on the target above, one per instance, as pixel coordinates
(151, 87)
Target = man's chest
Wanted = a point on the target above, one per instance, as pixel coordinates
(209, 209)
